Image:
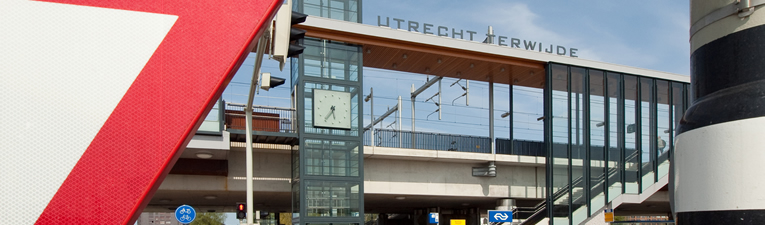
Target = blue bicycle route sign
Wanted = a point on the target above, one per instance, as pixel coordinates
(185, 214)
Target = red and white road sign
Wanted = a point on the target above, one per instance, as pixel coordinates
(99, 97)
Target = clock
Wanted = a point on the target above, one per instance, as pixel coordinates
(331, 109)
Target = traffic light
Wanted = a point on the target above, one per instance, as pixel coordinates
(241, 211)
(268, 82)
(286, 39)
(296, 34)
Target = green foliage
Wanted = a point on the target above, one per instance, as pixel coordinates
(209, 219)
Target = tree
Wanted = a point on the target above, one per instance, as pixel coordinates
(209, 219)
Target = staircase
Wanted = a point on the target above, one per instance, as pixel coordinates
(539, 212)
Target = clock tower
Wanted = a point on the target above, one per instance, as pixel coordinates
(327, 166)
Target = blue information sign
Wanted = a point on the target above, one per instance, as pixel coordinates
(500, 216)
(185, 214)
(433, 218)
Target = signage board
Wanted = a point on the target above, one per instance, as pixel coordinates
(433, 218)
(489, 38)
(609, 215)
(185, 214)
(500, 216)
(457, 222)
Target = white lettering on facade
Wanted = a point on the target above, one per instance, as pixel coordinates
(443, 31)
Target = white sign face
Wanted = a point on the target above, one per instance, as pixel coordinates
(331, 109)
(100, 75)
(74, 61)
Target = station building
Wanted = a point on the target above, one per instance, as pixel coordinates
(606, 143)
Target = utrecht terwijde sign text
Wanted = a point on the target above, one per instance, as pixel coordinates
(490, 38)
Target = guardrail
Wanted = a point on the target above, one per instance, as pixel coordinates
(277, 119)
(264, 118)
(453, 142)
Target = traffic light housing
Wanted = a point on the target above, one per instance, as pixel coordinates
(241, 211)
(296, 34)
(286, 39)
(268, 82)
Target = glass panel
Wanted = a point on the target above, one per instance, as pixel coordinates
(354, 9)
(688, 98)
(578, 147)
(212, 120)
(295, 68)
(331, 158)
(647, 138)
(560, 137)
(311, 7)
(597, 141)
(615, 155)
(295, 163)
(677, 108)
(527, 130)
(331, 59)
(631, 164)
(332, 199)
(295, 199)
(346, 10)
(663, 119)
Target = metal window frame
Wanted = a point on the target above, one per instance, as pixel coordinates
(621, 127)
(547, 100)
(511, 117)
(568, 147)
(304, 178)
(639, 132)
(621, 136)
(587, 175)
(654, 129)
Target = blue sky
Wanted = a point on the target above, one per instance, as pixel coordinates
(648, 34)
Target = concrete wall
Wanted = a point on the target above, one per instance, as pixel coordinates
(393, 176)
(404, 175)
(270, 170)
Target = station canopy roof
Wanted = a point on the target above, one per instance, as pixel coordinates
(426, 54)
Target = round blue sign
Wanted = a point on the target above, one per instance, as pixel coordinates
(185, 214)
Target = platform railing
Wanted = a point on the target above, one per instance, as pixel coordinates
(264, 118)
(453, 142)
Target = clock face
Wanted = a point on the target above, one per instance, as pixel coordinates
(331, 109)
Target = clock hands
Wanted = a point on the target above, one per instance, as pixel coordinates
(332, 112)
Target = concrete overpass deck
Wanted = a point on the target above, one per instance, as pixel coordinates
(397, 180)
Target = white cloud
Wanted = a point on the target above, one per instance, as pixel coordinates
(518, 21)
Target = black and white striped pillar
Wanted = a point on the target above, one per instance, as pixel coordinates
(719, 161)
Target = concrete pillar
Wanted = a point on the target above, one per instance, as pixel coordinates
(505, 204)
(716, 176)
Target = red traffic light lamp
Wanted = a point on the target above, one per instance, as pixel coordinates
(241, 211)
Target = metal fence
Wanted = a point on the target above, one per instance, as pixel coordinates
(521, 147)
(264, 118)
(452, 142)
(276, 119)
